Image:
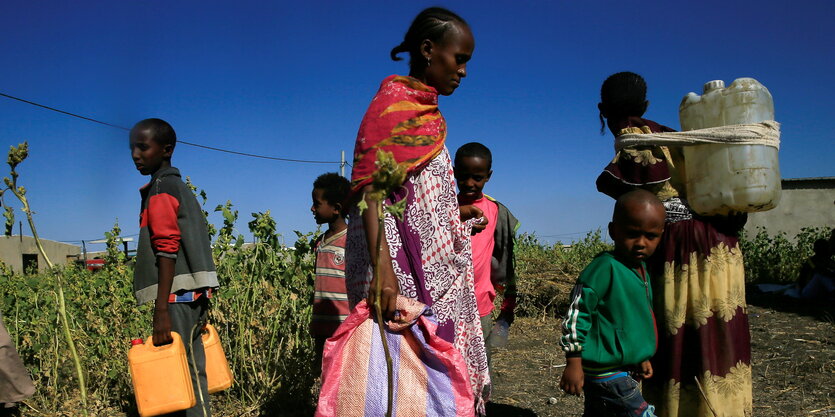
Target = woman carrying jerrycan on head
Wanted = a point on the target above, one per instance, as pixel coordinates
(425, 264)
(697, 273)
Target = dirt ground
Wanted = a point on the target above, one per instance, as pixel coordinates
(793, 364)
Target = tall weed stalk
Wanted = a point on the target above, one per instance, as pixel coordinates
(18, 154)
(263, 311)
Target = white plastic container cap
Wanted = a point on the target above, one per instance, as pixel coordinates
(713, 85)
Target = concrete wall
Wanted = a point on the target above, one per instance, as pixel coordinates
(804, 202)
(12, 249)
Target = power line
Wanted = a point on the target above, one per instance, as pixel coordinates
(98, 238)
(252, 155)
(62, 111)
(196, 145)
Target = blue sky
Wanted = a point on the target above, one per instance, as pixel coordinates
(292, 80)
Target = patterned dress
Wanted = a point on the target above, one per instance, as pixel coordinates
(699, 282)
(432, 258)
(430, 247)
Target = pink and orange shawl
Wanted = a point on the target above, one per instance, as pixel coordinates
(404, 119)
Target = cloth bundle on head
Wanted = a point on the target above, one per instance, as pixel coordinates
(765, 133)
(412, 129)
(430, 375)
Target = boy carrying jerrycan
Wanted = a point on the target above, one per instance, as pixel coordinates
(174, 268)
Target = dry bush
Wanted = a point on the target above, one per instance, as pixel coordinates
(546, 273)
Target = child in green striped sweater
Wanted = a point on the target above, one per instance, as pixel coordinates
(609, 332)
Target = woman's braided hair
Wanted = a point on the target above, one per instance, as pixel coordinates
(432, 23)
(623, 94)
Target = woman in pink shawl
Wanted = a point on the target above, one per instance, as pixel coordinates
(426, 255)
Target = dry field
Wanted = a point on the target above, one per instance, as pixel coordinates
(793, 358)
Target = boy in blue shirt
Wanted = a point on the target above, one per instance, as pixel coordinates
(174, 266)
(609, 333)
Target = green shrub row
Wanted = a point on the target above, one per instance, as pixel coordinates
(547, 271)
(776, 258)
(261, 313)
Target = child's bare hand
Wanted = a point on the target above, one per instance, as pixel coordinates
(469, 211)
(472, 212)
(572, 377)
(644, 371)
(162, 327)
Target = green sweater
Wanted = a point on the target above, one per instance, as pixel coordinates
(610, 321)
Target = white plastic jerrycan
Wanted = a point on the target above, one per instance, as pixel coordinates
(721, 178)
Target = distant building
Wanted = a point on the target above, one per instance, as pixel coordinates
(21, 253)
(804, 202)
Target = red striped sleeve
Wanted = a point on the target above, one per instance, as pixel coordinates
(162, 223)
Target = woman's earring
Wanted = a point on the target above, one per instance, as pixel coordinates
(428, 62)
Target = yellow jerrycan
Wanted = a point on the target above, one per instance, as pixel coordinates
(218, 374)
(160, 376)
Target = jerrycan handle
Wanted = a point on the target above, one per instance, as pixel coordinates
(209, 332)
(175, 338)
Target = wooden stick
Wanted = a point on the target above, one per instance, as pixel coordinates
(699, 385)
(378, 293)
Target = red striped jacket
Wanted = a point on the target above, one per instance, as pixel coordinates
(172, 225)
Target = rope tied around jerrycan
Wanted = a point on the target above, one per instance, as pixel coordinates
(763, 133)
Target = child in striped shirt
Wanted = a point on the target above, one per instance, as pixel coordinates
(330, 299)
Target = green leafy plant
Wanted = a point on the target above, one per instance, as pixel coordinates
(112, 239)
(263, 311)
(201, 194)
(226, 234)
(776, 258)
